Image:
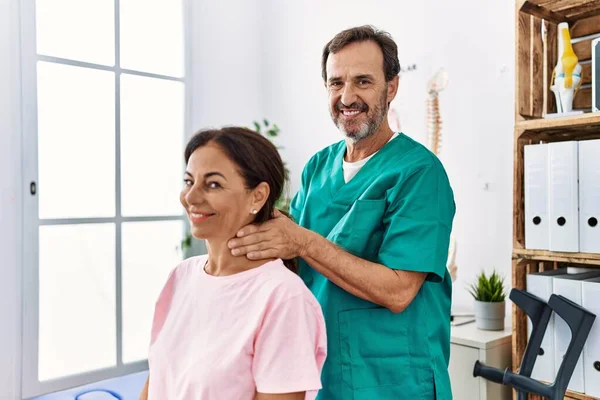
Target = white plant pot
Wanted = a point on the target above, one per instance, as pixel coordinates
(489, 316)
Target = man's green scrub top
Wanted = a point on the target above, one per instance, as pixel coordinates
(397, 211)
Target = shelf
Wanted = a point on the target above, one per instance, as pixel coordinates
(578, 396)
(584, 126)
(572, 395)
(558, 11)
(544, 255)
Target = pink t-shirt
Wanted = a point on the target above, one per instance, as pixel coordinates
(228, 337)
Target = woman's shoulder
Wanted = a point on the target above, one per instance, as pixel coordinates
(187, 266)
(192, 262)
(284, 284)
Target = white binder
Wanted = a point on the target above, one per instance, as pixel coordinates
(540, 285)
(596, 75)
(589, 196)
(536, 196)
(590, 295)
(563, 196)
(570, 287)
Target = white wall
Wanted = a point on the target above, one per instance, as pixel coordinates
(10, 204)
(226, 63)
(478, 118)
(225, 66)
(475, 45)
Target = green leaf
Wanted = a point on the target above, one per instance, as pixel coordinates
(186, 242)
(474, 290)
(488, 288)
(271, 132)
(497, 294)
(283, 204)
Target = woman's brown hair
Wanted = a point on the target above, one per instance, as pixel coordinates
(257, 159)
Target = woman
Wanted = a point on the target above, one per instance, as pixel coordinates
(225, 327)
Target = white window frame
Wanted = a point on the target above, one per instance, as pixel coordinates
(30, 385)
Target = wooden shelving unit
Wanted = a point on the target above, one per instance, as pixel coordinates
(585, 126)
(553, 256)
(535, 58)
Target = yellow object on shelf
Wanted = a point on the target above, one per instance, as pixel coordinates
(568, 58)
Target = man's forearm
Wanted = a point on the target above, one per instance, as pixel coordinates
(393, 289)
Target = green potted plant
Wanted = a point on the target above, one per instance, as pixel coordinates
(489, 294)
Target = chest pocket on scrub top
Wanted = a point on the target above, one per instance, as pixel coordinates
(366, 225)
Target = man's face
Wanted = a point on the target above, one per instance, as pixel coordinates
(358, 93)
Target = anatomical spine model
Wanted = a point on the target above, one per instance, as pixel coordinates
(566, 78)
(434, 130)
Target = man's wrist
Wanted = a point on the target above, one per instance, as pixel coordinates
(305, 238)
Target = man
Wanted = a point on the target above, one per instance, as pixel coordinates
(374, 217)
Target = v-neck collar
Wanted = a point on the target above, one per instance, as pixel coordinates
(340, 190)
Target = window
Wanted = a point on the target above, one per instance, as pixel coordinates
(104, 94)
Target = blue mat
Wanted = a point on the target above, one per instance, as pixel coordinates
(126, 387)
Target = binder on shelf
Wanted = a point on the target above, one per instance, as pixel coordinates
(590, 296)
(563, 196)
(540, 284)
(596, 75)
(535, 171)
(569, 286)
(589, 196)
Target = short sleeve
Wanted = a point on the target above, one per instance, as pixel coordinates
(290, 348)
(162, 306)
(299, 199)
(418, 223)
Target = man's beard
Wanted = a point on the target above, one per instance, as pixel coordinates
(366, 128)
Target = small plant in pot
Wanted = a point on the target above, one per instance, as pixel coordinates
(489, 295)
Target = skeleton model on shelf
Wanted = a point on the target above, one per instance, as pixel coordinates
(434, 130)
(566, 78)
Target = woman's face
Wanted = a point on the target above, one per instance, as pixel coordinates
(215, 197)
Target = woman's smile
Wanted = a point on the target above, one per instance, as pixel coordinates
(199, 217)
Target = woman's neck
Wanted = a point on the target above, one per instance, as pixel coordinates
(222, 263)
